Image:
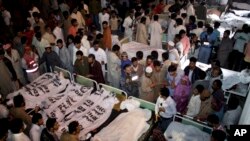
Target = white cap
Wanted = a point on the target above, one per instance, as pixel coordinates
(85, 37)
(171, 43)
(149, 70)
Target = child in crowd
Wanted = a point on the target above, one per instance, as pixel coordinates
(114, 23)
(194, 105)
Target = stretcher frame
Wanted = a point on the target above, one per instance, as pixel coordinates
(186, 120)
(86, 82)
(118, 92)
(66, 73)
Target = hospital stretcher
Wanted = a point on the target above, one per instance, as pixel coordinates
(121, 95)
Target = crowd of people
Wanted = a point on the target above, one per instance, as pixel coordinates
(78, 38)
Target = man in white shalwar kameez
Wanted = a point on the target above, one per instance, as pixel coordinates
(171, 28)
(128, 25)
(100, 55)
(85, 42)
(114, 69)
(15, 59)
(103, 16)
(7, 74)
(39, 44)
(58, 32)
(78, 46)
(156, 33)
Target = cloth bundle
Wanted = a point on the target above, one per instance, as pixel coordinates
(46, 85)
(126, 127)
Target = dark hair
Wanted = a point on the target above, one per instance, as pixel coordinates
(157, 63)
(210, 30)
(184, 15)
(133, 59)
(233, 103)
(149, 57)
(38, 35)
(3, 127)
(179, 21)
(143, 19)
(165, 56)
(73, 126)
(36, 117)
(218, 83)
(193, 59)
(216, 25)
(217, 62)
(173, 16)
(200, 88)
(192, 18)
(202, 75)
(172, 68)
(156, 17)
(65, 14)
(18, 101)
(182, 32)
(96, 42)
(137, 14)
(104, 22)
(77, 40)
(200, 24)
(126, 66)
(228, 32)
(178, 36)
(50, 123)
(99, 36)
(37, 29)
(79, 52)
(219, 135)
(70, 37)
(164, 91)
(16, 125)
(115, 48)
(59, 41)
(73, 21)
(36, 14)
(91, 56)
(139, 54)
(214, 119)
(154, 55)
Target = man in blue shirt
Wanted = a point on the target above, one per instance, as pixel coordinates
(208, 38)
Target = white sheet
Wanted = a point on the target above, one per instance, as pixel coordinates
(126, 127)
(132, 47)
(180, 132)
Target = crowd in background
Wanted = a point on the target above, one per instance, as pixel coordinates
(78, 36)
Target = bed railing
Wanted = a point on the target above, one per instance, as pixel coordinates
(66, 73)
(144, 103)
(190, 121)
(86, 82)
(114, 90)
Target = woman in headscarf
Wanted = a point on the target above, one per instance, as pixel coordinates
(124, 61)
(181, 94)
